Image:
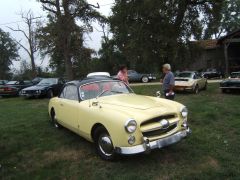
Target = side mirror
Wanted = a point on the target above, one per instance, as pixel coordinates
(158, 94)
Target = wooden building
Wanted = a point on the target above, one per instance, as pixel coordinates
(222, 54)
(230, 44)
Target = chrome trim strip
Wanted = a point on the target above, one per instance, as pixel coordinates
(160, 143)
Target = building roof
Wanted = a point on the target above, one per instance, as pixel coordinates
(233, 34)
(207, 44)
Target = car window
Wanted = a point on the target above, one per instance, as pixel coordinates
(70, 92)
(131, 72)
(185, 75)
(27, 82)
(103, 88)
(60, 81)
(48, 81)
(13, 82)
(235, 75)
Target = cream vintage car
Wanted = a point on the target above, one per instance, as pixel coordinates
(108, 113)
(190, 81)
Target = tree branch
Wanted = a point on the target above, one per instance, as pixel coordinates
(49, 9)
(19, 43)
(19, 30)
(94, 6)
(48, 2)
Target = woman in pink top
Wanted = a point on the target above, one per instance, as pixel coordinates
(123, 74)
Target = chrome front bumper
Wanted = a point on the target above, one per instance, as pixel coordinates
(160, 143)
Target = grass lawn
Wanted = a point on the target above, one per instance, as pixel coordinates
(30, 148)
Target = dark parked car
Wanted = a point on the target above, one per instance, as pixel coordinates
(134, 76)
(48, 87)
(231, 84)
(12, 88)
(212, 75)
(3, 82)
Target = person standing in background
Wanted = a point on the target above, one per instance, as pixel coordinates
(168, 82)
(123, 74)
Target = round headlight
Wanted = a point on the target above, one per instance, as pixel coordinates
(184, 112)
(131, 126)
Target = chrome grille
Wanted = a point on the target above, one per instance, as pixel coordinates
(157, 119)
(159, 131)
(153, 127)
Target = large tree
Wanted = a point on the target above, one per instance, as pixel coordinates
(8, 53)
(151, 32)
(65, 14)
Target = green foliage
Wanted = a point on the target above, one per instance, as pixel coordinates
(148, 33)
(62, 37)
(8, 54)
(226, 21)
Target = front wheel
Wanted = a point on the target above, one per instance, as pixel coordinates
(196, 89)
(103, 144)
(145, 79)
(205, 87)
(49, 94)
(54, 119)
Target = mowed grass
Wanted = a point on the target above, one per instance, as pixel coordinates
(30, 148)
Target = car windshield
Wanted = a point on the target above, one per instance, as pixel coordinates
(13, 82)
(185, 75)
(49, 81)
(235, 75)
(1, 82)
(103, 88)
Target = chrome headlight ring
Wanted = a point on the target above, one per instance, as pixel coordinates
(184, 112)
(130, 125)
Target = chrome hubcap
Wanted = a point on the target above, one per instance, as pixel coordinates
(145, 79)
(55, 122)
(105, 144)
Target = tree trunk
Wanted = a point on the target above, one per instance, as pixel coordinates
(68, 65)
(226, 58)
(34, 72)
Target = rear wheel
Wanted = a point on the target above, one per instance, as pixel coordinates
(145, 79)
(103, 144)
(54, 120)
(205, 87)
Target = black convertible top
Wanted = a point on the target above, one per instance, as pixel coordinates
(91, 80)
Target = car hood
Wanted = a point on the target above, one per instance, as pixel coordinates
(133, 101)
(36, 87)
